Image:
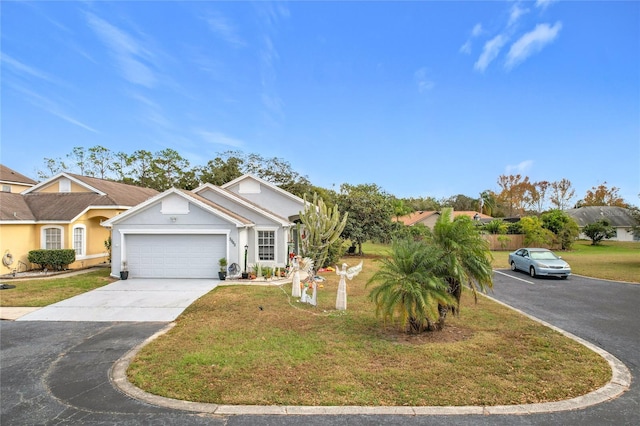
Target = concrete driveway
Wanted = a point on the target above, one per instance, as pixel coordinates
(137, 300)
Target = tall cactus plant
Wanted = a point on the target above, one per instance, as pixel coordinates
(322, 227)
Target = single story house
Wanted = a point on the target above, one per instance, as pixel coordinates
(184, 234)
(429, 218)
(619, 217)
(62, 212)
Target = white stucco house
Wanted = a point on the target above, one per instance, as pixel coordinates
(183, 234)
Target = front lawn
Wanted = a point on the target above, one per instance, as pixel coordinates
(254, 345)
(43, 292)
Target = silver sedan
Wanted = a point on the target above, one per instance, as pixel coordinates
(539, 261)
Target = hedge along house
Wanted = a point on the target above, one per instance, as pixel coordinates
(183, 234)
(63, 212)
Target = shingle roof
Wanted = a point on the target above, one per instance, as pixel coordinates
(415, 217)
(10, 175)
(122, 194)
(14, 207)
(617, 216)
(218, 207)
(59, 206)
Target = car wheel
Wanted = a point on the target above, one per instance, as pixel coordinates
(513, 265)
(564, 277)
(532, 272)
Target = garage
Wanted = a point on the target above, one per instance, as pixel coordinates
(174, 255)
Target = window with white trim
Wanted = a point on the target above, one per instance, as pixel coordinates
(52, 238)
(79, 240)
(266, 245)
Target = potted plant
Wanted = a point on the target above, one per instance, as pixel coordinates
(222, 274)
(124, 273)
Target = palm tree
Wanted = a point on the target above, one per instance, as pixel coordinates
(409, 290)
(465, 259)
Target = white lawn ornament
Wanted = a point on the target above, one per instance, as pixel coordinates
(306, 265)
(295, 284)
(341, 300)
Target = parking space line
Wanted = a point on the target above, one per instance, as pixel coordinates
(515, 278)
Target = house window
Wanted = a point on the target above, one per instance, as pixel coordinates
(6, 188)
(79, 240)
(52, 238)
(266, 245)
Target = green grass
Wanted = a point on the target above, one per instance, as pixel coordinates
(43, 292)
(226, 350)
(611, 260)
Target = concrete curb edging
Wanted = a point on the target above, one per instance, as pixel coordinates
(619, 383)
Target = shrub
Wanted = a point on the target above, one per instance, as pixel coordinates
(56, 260)
(496, 226)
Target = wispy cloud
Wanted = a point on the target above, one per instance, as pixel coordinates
(516, 13)
(475, 32)
(51, 107)
(270, 16)
(532, 42)
(543, 4)
(21, 69)
(490, 52)
(423, 81)
(217, 138)
(225, 29)
(132, 57)
(522, 167)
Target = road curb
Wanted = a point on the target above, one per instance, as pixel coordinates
(619, 383)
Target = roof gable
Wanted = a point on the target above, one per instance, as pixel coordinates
(248, 178)
(191, 197)
(216, 191)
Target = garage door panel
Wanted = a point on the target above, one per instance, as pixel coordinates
(174, 256)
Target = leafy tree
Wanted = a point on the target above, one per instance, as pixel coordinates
(466, 259)
(534, 232)
(602, 195)
(561, 193)
(635, 213)
(370, 212)
(496, 226)
(100, 160)
(422, 204)
(488, 202)
(514, 194)
(400, 208)
(52, 166)
(79, 158)
(409, 291)
(460, 203)
(323, 227)
(598, 231)
(562, 225)
(220, 170)
(538, 194)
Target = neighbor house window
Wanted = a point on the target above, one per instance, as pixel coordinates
(79, 240)
(52, 238)
(266, 245)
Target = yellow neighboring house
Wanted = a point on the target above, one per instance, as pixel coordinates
(62, 212)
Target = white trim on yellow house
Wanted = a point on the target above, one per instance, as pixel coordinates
(54, 180)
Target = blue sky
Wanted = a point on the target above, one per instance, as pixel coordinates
(421, 98)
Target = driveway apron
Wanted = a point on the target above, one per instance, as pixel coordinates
(137, 300)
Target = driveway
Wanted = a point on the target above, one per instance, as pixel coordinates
(137, 300)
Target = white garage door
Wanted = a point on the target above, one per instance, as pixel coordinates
(174, 256)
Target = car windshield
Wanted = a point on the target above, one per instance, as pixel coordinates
(543, 255)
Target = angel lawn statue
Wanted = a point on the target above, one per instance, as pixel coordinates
(306, 265)
(295, 283)
(341, 300)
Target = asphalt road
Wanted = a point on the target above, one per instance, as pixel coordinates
(58, 372)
